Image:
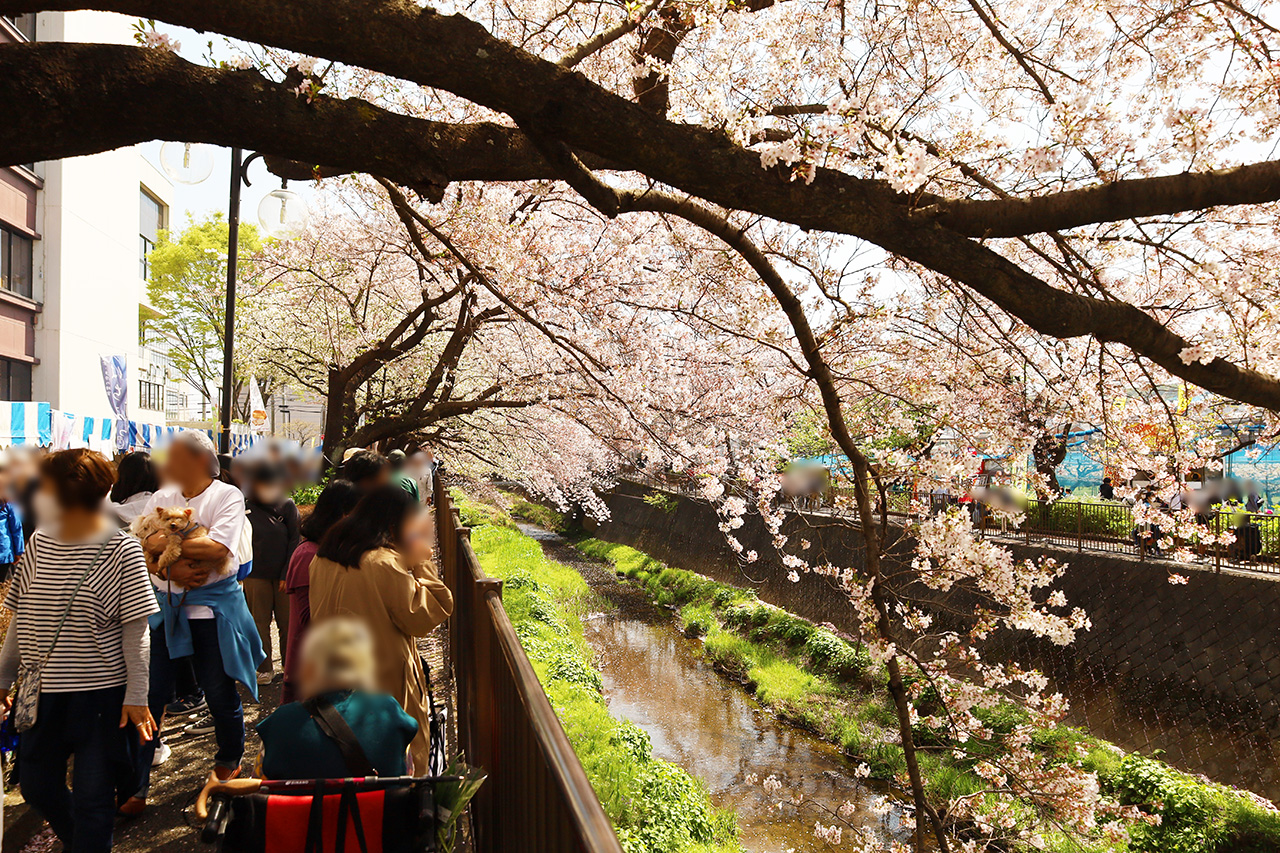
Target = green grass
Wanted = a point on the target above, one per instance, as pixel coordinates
(813, 678)
(1196, 817)
(477, 514)
(544, 517)
(655, 806)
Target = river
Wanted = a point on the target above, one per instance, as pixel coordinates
(710, 726)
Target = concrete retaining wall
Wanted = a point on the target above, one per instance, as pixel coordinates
(1193, 670)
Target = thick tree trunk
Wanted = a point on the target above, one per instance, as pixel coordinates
(337, 407)
(1047, 454)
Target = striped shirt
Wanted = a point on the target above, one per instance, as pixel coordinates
(89, 653)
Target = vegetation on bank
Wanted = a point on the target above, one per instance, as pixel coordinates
(809, 676)
(544, 517)
(655, 806)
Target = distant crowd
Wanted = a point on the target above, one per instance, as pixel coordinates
(140, 591)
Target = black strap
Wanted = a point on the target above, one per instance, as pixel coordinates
(336, 729)
(315, 820)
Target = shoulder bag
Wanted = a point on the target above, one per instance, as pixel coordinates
(27, 700)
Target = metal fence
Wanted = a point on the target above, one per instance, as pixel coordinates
(1111, 527)
(1078, 525)
(537, 796)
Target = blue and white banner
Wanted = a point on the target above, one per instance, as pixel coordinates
(26, 423)
(115, 379)
(41, 424)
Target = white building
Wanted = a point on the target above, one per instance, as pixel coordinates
(73, 240)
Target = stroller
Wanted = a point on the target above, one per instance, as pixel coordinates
(364, 813)
(367, 814)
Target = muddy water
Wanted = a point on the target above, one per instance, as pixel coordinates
(701, 721)
(697, 719)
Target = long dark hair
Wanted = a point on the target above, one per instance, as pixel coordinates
(137, 472)
(337, 499)
(376, 522)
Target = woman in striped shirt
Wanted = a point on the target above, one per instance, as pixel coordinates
(93, 686)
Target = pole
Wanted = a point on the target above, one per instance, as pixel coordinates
(229, 326)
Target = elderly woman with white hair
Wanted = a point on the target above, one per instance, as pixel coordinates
(342, 728)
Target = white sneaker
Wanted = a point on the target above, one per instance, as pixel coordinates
(266, 677)
(162, 754)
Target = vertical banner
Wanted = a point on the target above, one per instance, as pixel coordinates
(115, 379)
(257, 409)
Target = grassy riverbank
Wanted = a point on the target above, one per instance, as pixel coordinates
(654, 805)
(809, 676)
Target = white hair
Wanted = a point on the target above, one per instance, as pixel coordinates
(337, 654)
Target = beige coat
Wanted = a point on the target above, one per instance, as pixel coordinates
(398, 602)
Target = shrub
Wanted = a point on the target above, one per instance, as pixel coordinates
(696, 620)
(542, 516)
(475, 514)
(659, 501)
(1196, 816)
(307, 495)
(829, 653)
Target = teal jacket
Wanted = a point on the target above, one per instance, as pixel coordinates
(238, 638)
(293, 747)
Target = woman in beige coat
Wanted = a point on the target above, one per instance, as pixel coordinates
(375, 565)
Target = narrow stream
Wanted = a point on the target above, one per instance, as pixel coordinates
(707, 724)
(699, 720)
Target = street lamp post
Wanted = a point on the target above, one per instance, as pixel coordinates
(282, 214)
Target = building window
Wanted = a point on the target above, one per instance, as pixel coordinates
(16, 252)
(25, 24)
(151, 224)
(15, 381)
(151, 395)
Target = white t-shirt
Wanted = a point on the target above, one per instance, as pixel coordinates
(220, 508)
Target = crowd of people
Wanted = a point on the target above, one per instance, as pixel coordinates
(142, 600)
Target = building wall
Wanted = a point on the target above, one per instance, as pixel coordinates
(87, 274)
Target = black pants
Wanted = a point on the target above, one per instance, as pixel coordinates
(86, 725)
(219, 690)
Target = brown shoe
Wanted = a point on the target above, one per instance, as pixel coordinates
(222, 774)
(132, 807)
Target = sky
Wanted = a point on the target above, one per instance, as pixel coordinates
(213, 194)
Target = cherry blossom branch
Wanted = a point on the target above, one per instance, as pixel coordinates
(609, 36)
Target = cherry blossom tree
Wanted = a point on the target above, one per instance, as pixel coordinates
(993, 218)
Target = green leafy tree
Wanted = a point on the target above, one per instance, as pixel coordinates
(187, 290)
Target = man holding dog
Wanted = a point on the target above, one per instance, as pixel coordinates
(202, 608)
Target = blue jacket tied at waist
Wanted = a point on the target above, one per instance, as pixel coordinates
(237, 634)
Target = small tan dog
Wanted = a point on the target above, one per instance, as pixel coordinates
(176, 524)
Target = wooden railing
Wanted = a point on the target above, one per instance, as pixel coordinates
(537, 797)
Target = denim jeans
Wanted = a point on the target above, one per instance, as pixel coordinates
(219, 690)
(86, 725)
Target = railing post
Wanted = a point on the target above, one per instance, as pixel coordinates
(486, 743)
(1079, 527)
(1217, 543)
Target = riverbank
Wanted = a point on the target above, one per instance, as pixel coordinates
(703, 721)
(655, 806)
(794, 667)
(815, 679)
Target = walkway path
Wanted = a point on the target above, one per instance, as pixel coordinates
(169, 824)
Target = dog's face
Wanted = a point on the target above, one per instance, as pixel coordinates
(173, 519)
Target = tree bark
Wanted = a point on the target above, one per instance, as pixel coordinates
(47, 82)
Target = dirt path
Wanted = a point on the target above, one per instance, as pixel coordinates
(169, 824)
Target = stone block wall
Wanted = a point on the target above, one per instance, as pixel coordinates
(1192, 670)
